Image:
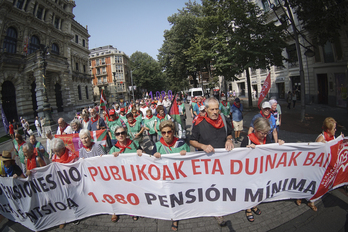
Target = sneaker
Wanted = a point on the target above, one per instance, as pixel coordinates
(76, 222)
(220, 221)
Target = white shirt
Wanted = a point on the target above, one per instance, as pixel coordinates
(37, 124)
(67, 130)
(166, 103)
(143, 110)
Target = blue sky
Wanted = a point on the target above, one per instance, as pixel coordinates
(128, 25)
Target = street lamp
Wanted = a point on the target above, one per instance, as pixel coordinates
(115, 82)
(46, 105)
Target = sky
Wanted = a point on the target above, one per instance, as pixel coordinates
(128, 25)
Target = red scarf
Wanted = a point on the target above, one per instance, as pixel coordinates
(67, 157)
(86, 121)
(19, 145)
(89, 147)
(255, 140)
(218, 123)
(62, 129)
(264, 115)
(111, 120)
(328, 137)
(144, 107)
(149, 117)
(225, 104)
(160, 117)
(175, 139)
(31, 163)
(236, 105)
(199, 104)
(118, 144)
(153, 107)
(134, 121)
(94, 120)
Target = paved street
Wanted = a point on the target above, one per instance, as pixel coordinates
(285, 215)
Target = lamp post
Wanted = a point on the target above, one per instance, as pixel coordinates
(115, 82)
(132, 85)
(46, 105)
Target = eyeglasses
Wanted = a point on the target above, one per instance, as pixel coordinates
(166, 132)
(262, 133)
(120, 133)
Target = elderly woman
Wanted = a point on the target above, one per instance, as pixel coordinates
(170, 144)
(76, 126)
(40, 149)
(61, 153)
(10, 168)
(124, 145)
(33, 158)
(161, 116)
(89, 149)
(135, 128)
(18, 143)
(85, 121)
(257, 137)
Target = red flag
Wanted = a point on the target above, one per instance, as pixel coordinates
(103, 103)
(265, 89)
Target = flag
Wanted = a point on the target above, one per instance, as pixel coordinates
(103, 103)
(4, 119)
(175, 114)
(265, 89)
(73, 142)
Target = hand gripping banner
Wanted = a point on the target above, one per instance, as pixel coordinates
(174, 187)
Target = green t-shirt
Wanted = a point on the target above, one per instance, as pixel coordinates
(225, 109)
(123, 118)
(150, 123)
(133, 130)
(133, 146)
(112, 126)
(19, 151)
(165, 150)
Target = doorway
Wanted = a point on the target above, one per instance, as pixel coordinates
(322, 89)
(59, 98)
(9, 105)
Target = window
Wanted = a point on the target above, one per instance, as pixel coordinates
(79, 92)
(76, 39)
(26, 5)
(97, 62)
(39, 12)
(86, 89)
(103, 60)
(56, 22)
(84, 68)
(328, 53)
(104, 70)
(265, 5)
(98, 71)
(20, 4)
(10, 41)
(55, 49)
(118, 59)
(77, 67)
(119, 68)
(34, 44)
(292, 55)
(84, 43)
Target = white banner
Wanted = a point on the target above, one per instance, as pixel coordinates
(172, 187)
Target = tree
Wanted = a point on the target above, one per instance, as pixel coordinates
(241, 38)
(147, 73)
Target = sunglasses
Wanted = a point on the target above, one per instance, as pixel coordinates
(166, 132)
(120, 133)
(263, 133)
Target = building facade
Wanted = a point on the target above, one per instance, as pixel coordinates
(110, 69)
(325, 73)
(41, 37)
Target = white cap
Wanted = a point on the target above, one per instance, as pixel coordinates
(201, 108)
(266, 105)
(159, 103)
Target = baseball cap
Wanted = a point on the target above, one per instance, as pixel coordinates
(201, 108)
(237, 99)
(112, 112)
(266, 105)
(122, 109)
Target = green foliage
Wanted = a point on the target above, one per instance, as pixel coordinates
(322, 18)
(146, 72)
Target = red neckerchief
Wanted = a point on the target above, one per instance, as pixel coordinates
(118, 144)
(134, 121)
(89, 147)
(175, 139)
(111, 120)
(106, 117)
(94, 120)
(19, 145)
(199, 104)
(66, 157)
(179, 104)
(218, 123)
(31, 163)
(328, 137)
(236, 105)
(160, 117)
(264, 115)
(255, 140)
(225, 104)
(153, 107)
(149, 117)
(86, 121)
(62, 129)
(144, 106)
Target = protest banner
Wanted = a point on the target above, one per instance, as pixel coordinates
(173, 186)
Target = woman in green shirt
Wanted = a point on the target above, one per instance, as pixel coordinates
(170, 144)
(149, 124)
(135, 128)
(161, 116)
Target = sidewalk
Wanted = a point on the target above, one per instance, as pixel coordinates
(277, 216)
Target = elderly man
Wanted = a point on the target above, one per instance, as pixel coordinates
(213, 130)
(143, 109)
(96, 122)
(63, 127)
(266, 113)
(166, 103)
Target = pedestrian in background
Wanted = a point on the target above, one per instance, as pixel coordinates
(38, 126)
(288, 99)
(294, 98)
(237, 118)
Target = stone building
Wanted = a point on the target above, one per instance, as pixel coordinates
(325, 72)
(110, 69)
(37, 37)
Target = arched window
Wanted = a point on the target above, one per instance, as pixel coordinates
(55, 49)
(79, 92)
(34, 44)
(86, 91)
(10, 41)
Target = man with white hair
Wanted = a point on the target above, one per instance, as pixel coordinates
(63, 127)
(143, 109)
(276, 111)
(213, 130)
